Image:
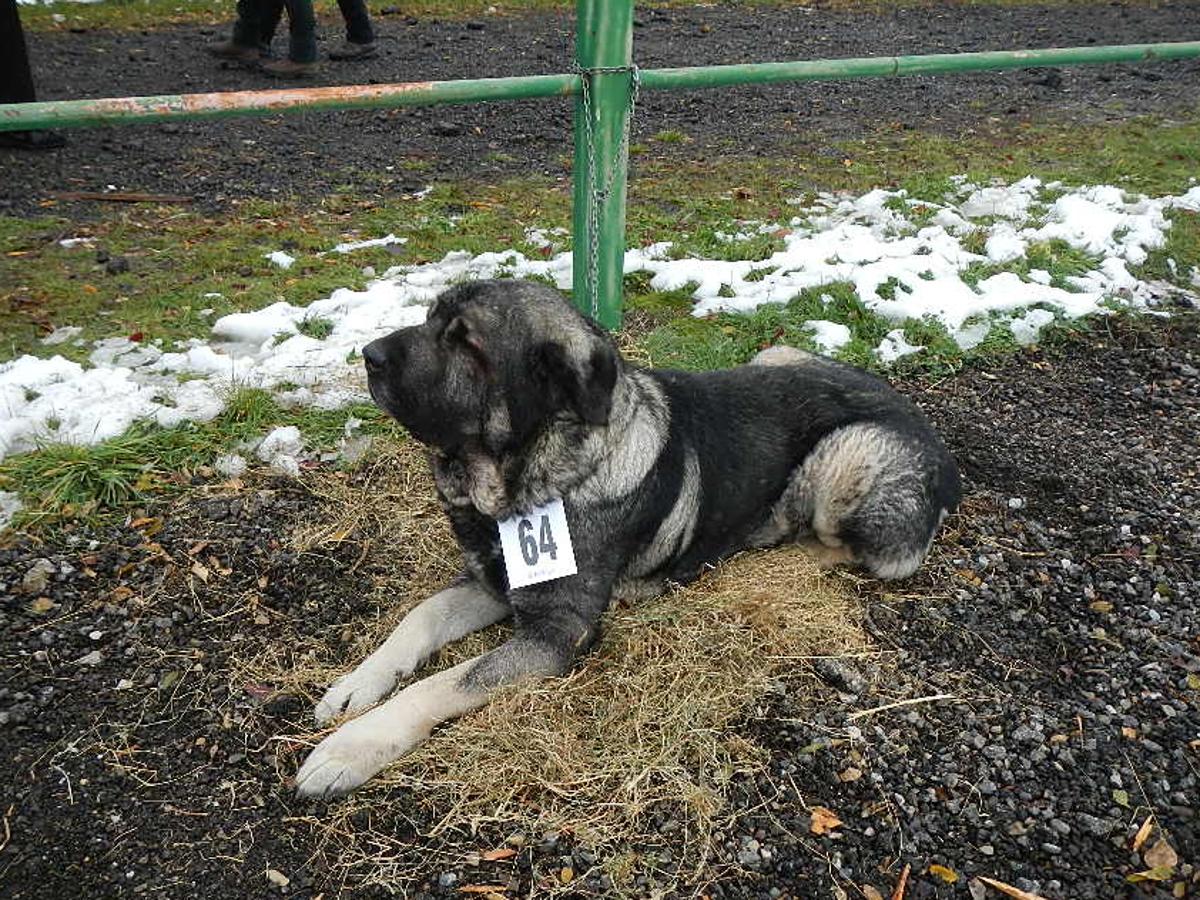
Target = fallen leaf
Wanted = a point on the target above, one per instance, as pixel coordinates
(1143, 833)
(824, 820)
(1101, 606)
(1121, 798)
(42, 605)
(850, 774)
(870, 893)
(1161, 856)
(1127, 732)
(1159, 873)
(498, 854)
(278, 878)
(945, 873)
(567, 875)
(200, 571)
(1193, 681)
(1003, 888)
(969, 577)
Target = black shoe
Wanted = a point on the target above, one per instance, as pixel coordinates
(32, 140)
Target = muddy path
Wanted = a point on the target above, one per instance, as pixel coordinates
(378, 153)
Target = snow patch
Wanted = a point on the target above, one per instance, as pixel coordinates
(10, 505)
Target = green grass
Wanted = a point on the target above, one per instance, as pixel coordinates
(178, 256)
(1182, 247)
(315, 327)
(60, 482)
(180, 259)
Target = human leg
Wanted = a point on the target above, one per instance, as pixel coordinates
(16, 80)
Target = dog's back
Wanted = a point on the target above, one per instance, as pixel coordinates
(799, 447)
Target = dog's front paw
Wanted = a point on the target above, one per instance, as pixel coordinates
(348, 757)
(353, 693)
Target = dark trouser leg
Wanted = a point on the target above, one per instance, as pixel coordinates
(16, 80)
(269, 22)
(302, 31)
(358, 21)
(247, 29)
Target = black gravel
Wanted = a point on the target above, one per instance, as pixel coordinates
(395, 152)
(1067, 627)
(1059, 613)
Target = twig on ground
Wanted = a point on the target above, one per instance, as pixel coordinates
(1014, 892)
(7, 830)
(898, 893)
(120, 197)
(911, 702)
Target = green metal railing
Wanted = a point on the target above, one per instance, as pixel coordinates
(605, 88)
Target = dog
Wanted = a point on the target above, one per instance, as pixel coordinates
(552, 453)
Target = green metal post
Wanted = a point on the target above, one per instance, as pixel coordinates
(603, 41)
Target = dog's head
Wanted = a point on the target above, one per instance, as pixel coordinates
(494, 362)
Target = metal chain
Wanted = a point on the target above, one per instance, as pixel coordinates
(600, 194)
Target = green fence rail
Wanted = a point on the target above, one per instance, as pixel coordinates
(604, 87)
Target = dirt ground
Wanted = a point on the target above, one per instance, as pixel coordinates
(310, 155)
(1057, 622)
(1047, 659)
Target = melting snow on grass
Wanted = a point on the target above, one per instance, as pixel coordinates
(962, 262)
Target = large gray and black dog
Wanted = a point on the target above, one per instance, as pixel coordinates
(524, 401)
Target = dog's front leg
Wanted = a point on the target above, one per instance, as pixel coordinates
(446, 616)
(362, 747)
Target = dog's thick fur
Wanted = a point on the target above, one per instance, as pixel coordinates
(522, 400)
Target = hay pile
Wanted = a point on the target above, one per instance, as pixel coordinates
(643, 730)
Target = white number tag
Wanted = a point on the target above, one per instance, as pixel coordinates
(537, 545)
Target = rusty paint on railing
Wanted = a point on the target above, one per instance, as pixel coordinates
(75, 113)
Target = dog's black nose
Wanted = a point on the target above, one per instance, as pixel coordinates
(374, 356)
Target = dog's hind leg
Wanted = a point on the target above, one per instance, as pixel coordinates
(446, 616)
(362, 747)
(866, 493)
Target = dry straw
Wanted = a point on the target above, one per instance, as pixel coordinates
(645, 730)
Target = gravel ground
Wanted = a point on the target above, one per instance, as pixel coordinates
(1059, 614)
(395, 152)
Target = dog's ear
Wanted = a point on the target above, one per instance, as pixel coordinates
(585, 384)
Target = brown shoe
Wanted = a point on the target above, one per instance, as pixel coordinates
(288, 68)
(351, 50)
(235, 52)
